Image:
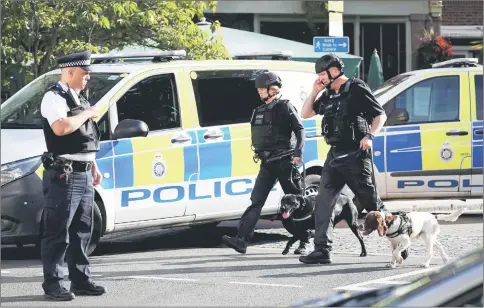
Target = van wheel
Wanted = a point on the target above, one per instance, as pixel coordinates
(312, 184)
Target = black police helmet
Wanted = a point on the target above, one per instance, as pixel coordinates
(327, 61)
(267, 79)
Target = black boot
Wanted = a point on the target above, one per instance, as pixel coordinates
(236, 243)
(319, 256)
(59, 295)
(88, 289)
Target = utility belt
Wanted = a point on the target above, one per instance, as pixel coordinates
(52, 162)
(267, 157)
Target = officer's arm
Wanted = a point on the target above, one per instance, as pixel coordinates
(67, 125)
(371, 108)
(298, 130)
(308, 107)
(54, 108)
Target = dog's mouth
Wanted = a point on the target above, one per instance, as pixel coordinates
(286, 215)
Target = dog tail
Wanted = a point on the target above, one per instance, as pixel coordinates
(452, 216)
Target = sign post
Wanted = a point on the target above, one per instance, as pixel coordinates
(331, 44)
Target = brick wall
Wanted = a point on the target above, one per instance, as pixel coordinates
(462, 12)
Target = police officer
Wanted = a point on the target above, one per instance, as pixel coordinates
(70, 174)
(351, 118)
(277, 140)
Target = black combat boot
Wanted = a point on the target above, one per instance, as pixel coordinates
(88, 289)
(236, 243)
(60, 294)
(319, 256)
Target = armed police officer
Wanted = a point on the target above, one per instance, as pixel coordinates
(278, 141)
(351, 118)
(70, 174)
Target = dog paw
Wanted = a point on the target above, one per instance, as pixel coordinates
(399, 260)
(285, 251)
(391, 265)
(363, 254)
(424, 265)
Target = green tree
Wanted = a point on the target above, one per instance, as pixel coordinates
(38, 31)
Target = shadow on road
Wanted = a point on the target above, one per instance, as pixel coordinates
(150, 240)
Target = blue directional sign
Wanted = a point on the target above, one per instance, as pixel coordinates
(331, 44)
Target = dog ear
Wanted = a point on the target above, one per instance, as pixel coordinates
(382, 227)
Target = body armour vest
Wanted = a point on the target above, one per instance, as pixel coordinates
(83, 140)
(266, 128)
(339, 126)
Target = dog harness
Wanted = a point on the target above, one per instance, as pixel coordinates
(404, 227)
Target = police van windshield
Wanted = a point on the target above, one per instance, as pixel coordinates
(22, 110)
(390, 84)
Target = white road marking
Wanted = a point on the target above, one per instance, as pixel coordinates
(158, 278)
(5, 272)
(388, 279)
(265, 284)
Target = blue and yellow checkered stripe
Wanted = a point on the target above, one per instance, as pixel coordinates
(231, 157)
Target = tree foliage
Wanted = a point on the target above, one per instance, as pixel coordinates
(38, 31)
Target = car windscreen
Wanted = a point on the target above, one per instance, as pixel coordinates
(22, 110)
(390, 84)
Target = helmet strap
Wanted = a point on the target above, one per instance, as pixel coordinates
(332, 79)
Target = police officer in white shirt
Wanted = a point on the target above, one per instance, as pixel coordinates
(70, 174)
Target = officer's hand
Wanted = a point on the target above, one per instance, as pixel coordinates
(318, 86)
(296, 160)
(366, 143)
(97, 178)
(92, 112)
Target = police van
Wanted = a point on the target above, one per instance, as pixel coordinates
(194, 165)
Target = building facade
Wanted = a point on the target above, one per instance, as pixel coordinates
(462, 25)
(393, 27)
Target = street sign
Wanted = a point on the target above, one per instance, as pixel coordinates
(331, 44)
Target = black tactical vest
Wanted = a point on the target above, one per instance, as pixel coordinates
(266, 128)
(339, 126)
(84, 140)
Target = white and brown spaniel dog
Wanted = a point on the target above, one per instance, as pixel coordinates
(404, 228)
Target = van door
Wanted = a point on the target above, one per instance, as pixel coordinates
(475, 184)
(225, 99)
(153, 173)
(427, 137)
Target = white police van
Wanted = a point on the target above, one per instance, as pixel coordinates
(195, 164)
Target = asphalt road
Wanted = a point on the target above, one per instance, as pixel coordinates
(190, 267)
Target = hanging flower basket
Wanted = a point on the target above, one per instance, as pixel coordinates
(433, 48)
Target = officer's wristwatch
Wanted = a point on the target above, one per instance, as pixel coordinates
(370, 136)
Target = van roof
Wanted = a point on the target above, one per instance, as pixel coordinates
(129, 67)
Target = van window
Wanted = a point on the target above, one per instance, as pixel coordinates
(225, 96)
(22, 110)
(153, 100)
(390, 84)
(478, 87)
(432, 100)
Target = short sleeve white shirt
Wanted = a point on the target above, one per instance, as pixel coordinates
(53, 107)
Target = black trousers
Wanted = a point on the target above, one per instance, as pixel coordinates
(269, 173)
(353, 168)
(67, 223)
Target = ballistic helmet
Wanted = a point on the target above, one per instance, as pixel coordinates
(267, 79)
(327, 61)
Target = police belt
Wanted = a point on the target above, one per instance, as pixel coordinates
(63, 164)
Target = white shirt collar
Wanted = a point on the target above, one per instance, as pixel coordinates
(74, 94)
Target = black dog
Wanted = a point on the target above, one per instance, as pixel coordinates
(293, 206)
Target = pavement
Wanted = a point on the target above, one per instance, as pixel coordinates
(190, 267)
(473, 206)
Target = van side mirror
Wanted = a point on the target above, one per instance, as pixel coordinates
(130, 128)
(398, 116)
